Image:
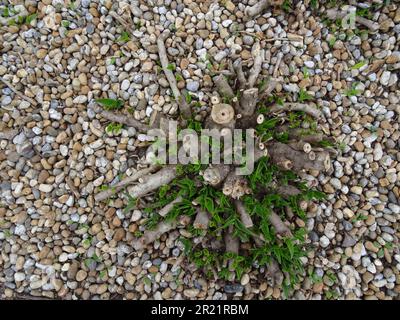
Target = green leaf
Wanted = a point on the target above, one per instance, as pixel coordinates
(146, 281)
(102, 274)
(188, 97)
(209, 205)
(131, 204)
(304, 95)
(5, 13)
(178, 77)
(187, 245)
(290, 246)
(287, 5)
(96, 258)
(114, 128)
(30, 18)
(332, 41)
(306, 73)
(125, 37)
(20, 20)
(359, 65)
(110, 104)
(65, 23)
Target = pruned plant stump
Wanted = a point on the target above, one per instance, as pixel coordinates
(252, 204)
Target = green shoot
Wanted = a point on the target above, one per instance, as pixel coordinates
(306, 73)
(359, 65)
(65, 23)
(359, 217)
(29, 19)
(125, 37)
(352, 91)
(110, 104)
(304, 95)
(114, 128)
(171, 67)
(287, 5)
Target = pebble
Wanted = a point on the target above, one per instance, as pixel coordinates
(125, 85)
(193, 86)
(6, 100)
(19, 276)
(324, 241)
(191, 293)
(136, 215)
(309, 64)
(384, 80)
(233, 288)
(245, 279)
(81, 275)
(45, 187)
(348, 241)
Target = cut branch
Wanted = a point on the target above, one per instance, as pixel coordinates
(280, 228)
(334, 14)
(71, 185)
(154, 181)
(167, 209)
(235, 186)
(216, 174)
(237, 66)
(373, 26)
(259, 7)
(202, 219)
(125, 182)
(222, 113)
(300, 133)
(231, 242)
(122, 21)
(268, 88)
(244, 216)
(287, 191)
(299, 160)
(277, 64)
(301, 146)
(274, 272)
(223, 87)
(150, 236)
(258, 56)
(248, 102)
(120, 118)
(307, 108)
(162, 53)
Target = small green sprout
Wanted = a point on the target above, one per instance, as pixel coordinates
(125, 37)
(304, 95)
(359, 65)
(114, 128)
(110, 104)
(171, 67)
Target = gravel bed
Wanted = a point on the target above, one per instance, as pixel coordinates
(55, 152)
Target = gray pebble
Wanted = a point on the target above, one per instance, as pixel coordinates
(192, 86)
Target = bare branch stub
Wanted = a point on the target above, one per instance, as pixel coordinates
(162, 53)
(260, 6)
